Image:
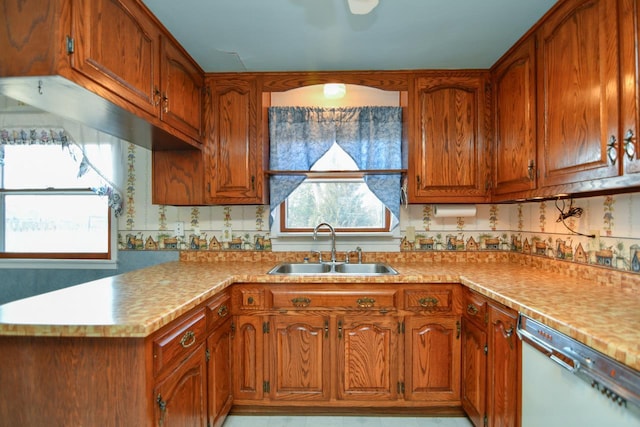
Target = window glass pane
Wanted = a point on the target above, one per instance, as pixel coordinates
(341, 203)
(56, 223)
(24, 166)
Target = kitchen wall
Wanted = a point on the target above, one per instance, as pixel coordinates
(529, 227)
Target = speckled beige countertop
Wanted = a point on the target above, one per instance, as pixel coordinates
(596, 306)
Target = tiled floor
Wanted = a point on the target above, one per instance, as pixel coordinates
(341, 421)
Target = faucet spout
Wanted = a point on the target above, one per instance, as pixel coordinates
(333, 238)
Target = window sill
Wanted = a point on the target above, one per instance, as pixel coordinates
(71, 264)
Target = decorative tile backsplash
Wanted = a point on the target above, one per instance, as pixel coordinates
(531, 228)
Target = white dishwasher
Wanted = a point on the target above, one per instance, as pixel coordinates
(568, 384)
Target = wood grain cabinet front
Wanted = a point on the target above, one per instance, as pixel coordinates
(180, 397)
(236, 151)
(348, 345)
(579, 130)
(448, 153)
(490, 363)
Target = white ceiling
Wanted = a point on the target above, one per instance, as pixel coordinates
(312, 35)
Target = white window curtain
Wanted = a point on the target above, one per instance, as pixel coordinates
(372, 136)
(98, 156)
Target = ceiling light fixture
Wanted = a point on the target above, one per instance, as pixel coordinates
(334, 90)
(362, 7)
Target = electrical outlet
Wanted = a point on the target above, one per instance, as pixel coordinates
(179, 229)
(411, 233)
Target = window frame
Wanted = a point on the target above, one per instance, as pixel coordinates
(335, 176)
(74, 260)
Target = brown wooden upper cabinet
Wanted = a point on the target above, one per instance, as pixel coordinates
(515, 164)
(235, 149)
(181, 90)
(137, 62)
(578, 93)
(447, 158)
(126, 61)
(121, 70)
(630, 84)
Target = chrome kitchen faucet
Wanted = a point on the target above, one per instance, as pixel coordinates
(333, 238)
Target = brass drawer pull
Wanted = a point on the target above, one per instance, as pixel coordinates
(472, 309)
(365, 302)
(188, 339)
(428, 302)
(301, 302)
(223, 310)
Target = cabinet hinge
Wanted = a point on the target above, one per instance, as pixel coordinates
(207, 355)
(71, 45)
(265, 327)
(486, 349)
(400, 387)
(458, 329)
(401, 327)
(266, 387)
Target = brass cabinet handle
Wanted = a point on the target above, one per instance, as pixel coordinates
(301, 302)
(339, 329)
(531, 170)
(165, 103)
(188, 339)
(223, 310)
(472, 309)
(326, 329)
(428, 302)
(612, 150)
(509, 332)
(365, 302)
(629, 144)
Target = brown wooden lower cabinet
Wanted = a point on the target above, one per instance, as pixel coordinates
(426, 348)
(219, 372)
(432, 355)
(180, 396)
(347, 346)
(491, 355)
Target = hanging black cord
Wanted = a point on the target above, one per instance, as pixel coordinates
(572, 212)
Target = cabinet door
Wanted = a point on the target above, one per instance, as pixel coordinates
(300, 360)
(182, 88)
(474, 371)
(503, 362)
(578, 93)
(448, 151)
(248, 360)
(367, 357)
(630, 84)
(219, 374)
(116, 45)
(432, 358)
(234, 145)
(180, 397)
(515, 120)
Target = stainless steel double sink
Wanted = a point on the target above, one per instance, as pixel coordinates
(328, 268)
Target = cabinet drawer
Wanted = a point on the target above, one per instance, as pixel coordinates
(218, 310)
(474, 307)
(178, 341)
(436, 299)
(334, 299)
(249, 298)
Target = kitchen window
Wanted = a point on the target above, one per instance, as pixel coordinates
(54, 204)
(335, 165)
(341, 199)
